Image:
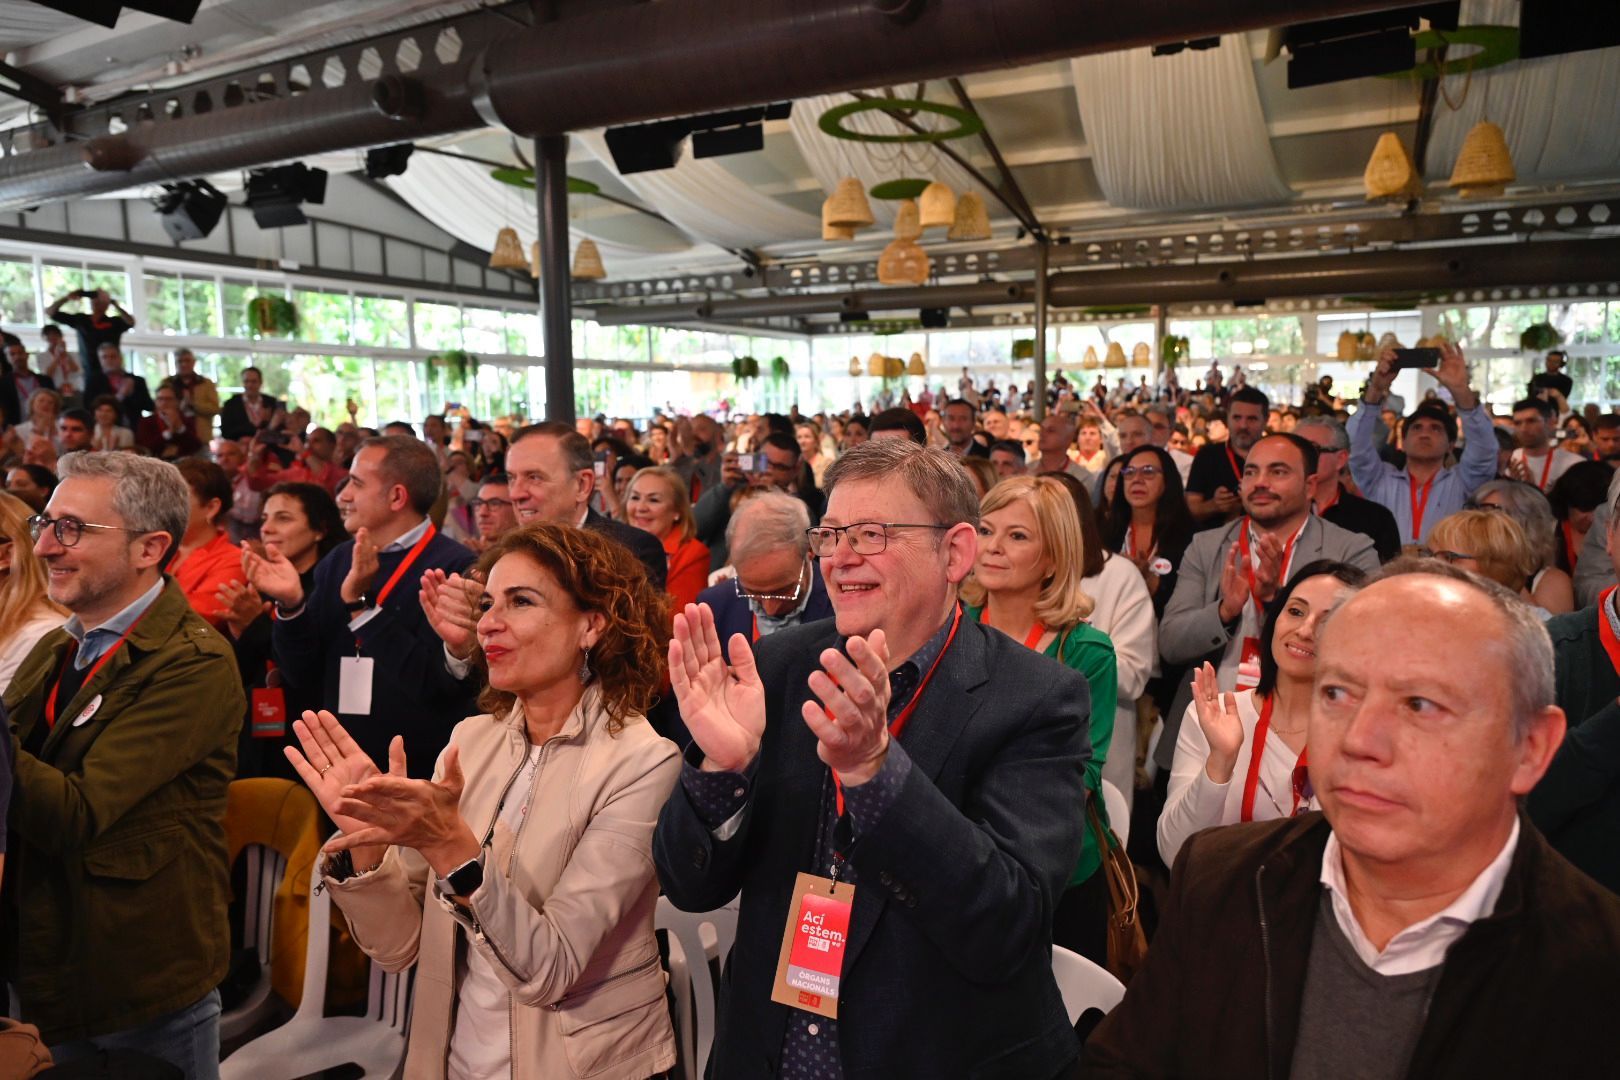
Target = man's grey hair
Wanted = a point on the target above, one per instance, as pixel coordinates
(1530, 651)
(767, 522)
(1159, 408)
(937, 478)
(1340, 438)
(148, 495)
(1525, 504)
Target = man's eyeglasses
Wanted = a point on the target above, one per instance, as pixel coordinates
(68, 530)
(865, 537)
(493, 504)
(1146, 472)
(1447, 556)
(798, 588)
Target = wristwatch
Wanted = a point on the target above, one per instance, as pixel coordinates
(361, 604)
(465, 879)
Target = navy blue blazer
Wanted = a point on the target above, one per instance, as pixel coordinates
(412, 694)
(948, 971)
(732, 614)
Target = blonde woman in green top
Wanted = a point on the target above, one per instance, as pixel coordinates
(1026, 583)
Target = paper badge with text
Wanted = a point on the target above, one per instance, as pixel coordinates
(812, 958)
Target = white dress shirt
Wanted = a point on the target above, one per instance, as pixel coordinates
(1422, 945)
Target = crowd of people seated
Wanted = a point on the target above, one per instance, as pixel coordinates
(873, 677)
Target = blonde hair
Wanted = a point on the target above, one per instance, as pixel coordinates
(1496, 541)
(677, 495)
(1062, 602)
(23, 595)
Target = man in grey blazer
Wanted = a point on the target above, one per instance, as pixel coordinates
(1216, 611)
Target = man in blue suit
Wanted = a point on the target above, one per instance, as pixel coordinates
(931, 762)
(777, 584)
(360, 636)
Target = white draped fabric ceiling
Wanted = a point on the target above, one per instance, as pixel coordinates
(1181, 132)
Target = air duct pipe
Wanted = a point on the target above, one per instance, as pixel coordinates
(979, 295)
(642, 62)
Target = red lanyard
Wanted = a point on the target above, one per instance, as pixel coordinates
(1611, 644)
(399, 571)
(1546, 466)
(1130, 538)
(1248, 565)
(1257, 750)
(898, 724)
(756, 627)
(1418, 508)
(1323, 508)
(1236, 470)
(1569, 546)
(50, 702)
(1031, 639)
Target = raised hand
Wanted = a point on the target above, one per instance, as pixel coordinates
(362, 570)
(241, 604)
(1269, 573)
(420, 814)
(851, 723)
(1382, 375)
(273, 576)
(723, 705)
(1234, 586)
(1453, 375)
(451, 606)
(330, 762)
(1218, 718)
(1226, 500)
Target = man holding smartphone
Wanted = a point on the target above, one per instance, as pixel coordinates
(95, 328)
(1426, 490)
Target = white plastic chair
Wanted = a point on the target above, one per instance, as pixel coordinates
(1083, 984)
(310, 1043)
(694, 940)
(1150, 766)
(265, 868)
(1119, 812)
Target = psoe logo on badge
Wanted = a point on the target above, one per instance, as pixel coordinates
(89, 711)
(809, 1000)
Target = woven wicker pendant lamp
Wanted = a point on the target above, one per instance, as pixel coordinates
(846, 207)
(1484, 164)
(1116, 356)
(534, 260)
(972, 219)
(1141, 356)
(855, 365)
(907, 221)
(915, 365)
(937, 206)
(508, 253)
(588, 262)
(876, 364)
(1391, 173)
(830, 231)
(903, 263)
(1090, 360)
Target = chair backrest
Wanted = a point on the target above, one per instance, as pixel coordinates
(283, 817)
(388, 1000)
(312, 1004)
(686, 928)
(1084, 985)
(1119, 812)
(265, 868)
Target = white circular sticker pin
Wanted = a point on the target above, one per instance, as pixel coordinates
(1160, 566)
(89, 711)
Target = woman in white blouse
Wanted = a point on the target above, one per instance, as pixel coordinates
(1216, 778)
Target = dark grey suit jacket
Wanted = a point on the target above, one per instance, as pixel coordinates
(948, 968)
(1191, 630)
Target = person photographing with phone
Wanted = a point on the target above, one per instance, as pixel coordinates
(95, 327)
(776, 464)
(1426, 489)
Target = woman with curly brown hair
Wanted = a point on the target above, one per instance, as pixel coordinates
(533, 942)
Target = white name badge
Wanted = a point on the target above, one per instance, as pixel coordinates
(89, 711)
(354, 685)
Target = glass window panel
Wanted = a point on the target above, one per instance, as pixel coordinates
(323, 385)
(382, 322)
(399, 391)
(60, 279)
(1199, 335)
(1468, 327)
(164, 304)
(438, 326)
(202, 314)
(324, 316)
(1512, 320)
(235, 295)
(1611, 379)
(485, 330)
(523, 334)
(17, 304)
(1581, 324)
(112, 278)
(1587, 374)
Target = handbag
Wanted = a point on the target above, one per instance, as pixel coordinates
(1127, 944)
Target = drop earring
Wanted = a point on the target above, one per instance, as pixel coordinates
(585, 665)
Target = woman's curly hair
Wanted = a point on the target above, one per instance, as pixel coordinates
(629, 659)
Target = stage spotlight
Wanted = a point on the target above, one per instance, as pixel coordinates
(388, 160)
(190, 209)
(276, 195)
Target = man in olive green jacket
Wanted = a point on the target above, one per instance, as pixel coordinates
(125, 724)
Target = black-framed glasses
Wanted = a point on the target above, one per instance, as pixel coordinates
(68, 530)
(1146, 472)
(493, 504)
(1446, 556)
(865, 537)
(798, 588)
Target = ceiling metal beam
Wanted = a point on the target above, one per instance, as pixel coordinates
(1009, 183)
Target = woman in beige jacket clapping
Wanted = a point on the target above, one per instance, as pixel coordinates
(520, 879)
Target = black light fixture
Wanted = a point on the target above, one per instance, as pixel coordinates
(106, 12)
(190, 209)
(1357, 46)
(1196, 44)
(384, 161)
(934, 318)
(650, 147)
(276, 196)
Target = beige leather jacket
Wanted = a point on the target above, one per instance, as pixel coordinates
(566, 921)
